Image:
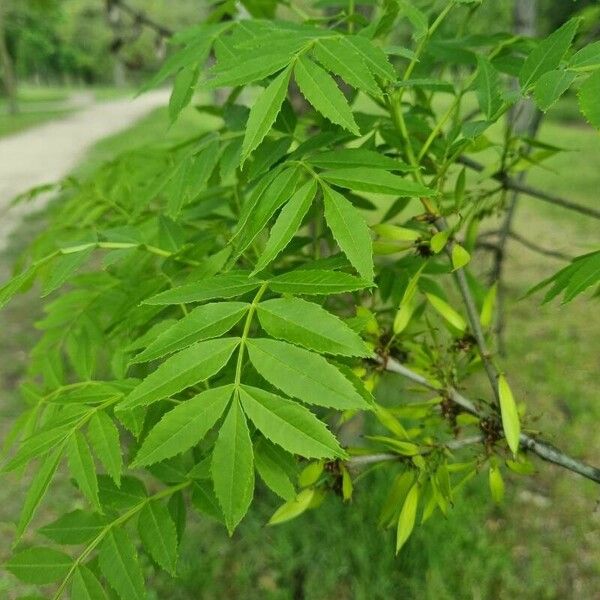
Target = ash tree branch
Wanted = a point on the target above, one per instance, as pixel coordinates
(511, 184)
(492, 247)
(472, 315)
(371, 459)
(539, 249)
(141, 17)
(541, 449)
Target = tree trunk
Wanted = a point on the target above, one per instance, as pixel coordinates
(523, 115)
(8, 72)
(523, 119)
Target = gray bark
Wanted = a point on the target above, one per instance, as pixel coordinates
(523, 119)
(9, 79)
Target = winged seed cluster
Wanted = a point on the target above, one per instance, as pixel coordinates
(218, 308)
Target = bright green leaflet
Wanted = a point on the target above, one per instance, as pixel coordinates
(406, 520)
(510, 415)
(587, 58)
(184, 426)
(233, 467)
(82, 467)
(39, 565)
(226, 285)
(340, 57)
(307, 324)
(86, 585)
(249, 71)
(287, 223)
(551, 86)
(362, 179)
(37, 489)
(303, 374)
(346, 158)
(350, 231)
(276, 195)
(158, 534)
(274, 466)
(119, 564)
(204, 322)
(193, 365)
(264, 112)
(76, 527)
(588, 99)
(313, 282)
(548, 54)
(320, 90)
(104, 438)
(488, 90)
(289, 424)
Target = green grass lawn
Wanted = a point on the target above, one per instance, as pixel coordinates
(542, 544)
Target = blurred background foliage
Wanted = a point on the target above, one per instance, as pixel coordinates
(83, 41)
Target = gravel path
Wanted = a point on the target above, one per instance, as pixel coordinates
(49, 152)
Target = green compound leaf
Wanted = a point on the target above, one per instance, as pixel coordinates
(193, 365)
(303, 374)
(232, 467)
(288, 424)
(183, 427)
(307, 324)
(318, 87)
